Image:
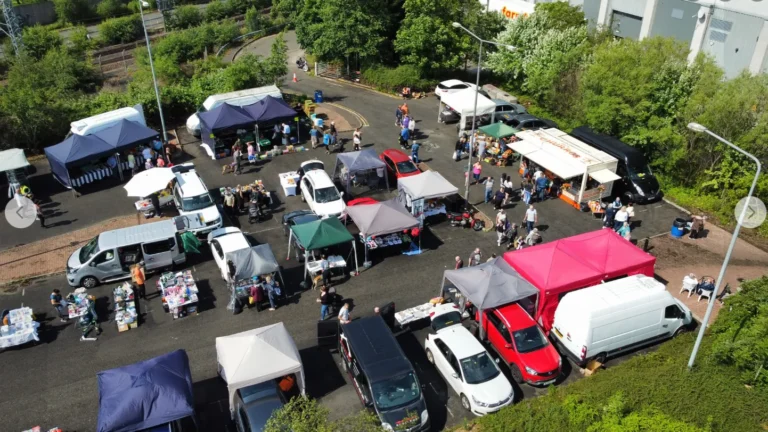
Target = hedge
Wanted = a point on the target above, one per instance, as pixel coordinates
(121, 30)
(394, 79)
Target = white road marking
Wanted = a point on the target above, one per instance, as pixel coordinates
(264, 230)
(449, 411)
(24, 291)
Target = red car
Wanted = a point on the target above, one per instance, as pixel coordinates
(521, 343)
(399, 164)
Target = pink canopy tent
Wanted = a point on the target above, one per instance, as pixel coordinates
(576, 262)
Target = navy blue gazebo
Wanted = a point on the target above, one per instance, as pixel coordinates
(127, 134)
(223, 117)
(269, 109)
(77, 150)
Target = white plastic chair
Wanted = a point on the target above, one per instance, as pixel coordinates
(705, 293)
(689, 285)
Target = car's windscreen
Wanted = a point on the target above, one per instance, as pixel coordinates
(196, 203)
(312, 166)
(638, 171)
(479, 368)
(406, 167)
(89, 250)
(396, 392)
(326, 195)
(305, 219)
(442, 86)
(448, 319)
(529, 339)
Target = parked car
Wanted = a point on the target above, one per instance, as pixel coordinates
(223, 241)
(523, 122)
(506, 107)
(465, 365)
(383, 377)
(298, 217)
(614, 317)
(319, 192)
(399, 165)
(254, 405)
(451, 86)
(521, 343)
(190, 194)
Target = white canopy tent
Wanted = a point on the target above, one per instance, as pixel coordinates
(12, 162)
(256, 356)
(413, 192)
(463, 102)
(567, 157)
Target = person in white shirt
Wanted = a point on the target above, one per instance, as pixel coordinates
(619, 219)
(508, 187)
(537, 174)
(344, 314)
(689, 283)
(531, 218)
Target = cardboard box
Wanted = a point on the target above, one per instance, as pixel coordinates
(133, 325)
(122, 327)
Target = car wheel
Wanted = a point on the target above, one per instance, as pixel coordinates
(681, 330)
(465, 403)
(430, 357)
(627, 198)
(516, 374)
(601, 358)
(89, 282)
(302, 198)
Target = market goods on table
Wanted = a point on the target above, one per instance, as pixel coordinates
(22, 328)
(179, 293)
(77, 303)
(126, 316)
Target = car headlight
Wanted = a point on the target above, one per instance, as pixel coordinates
(387, 427)
(424, 417)
(531, 371)
(638, 189)
(479, 403)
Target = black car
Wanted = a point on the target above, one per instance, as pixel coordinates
(383, 377)
(523, 122)
(298, 217)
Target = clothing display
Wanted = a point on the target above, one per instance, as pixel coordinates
(77, 303)
(145, 205)
(22, 328)
(179, 293)
(90, 174)
(393, 239)
(126, 316)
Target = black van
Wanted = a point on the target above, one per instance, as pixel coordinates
(383, 377)
(637, 183)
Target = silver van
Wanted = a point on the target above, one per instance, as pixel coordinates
(109, 256)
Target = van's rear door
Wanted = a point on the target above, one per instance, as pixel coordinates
(159, 254)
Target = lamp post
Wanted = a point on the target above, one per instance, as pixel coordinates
(477, 91)
(142, 5)
(699, 128)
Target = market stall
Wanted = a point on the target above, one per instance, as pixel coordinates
(289, 182)
(497, 136)
(268, 112)
(124, 301)
(564, 265)
(148, 182)
(219, 127)
(384, 224)
(21, 328)
(127, 136)
(13, 163)
(318, 235)
(359, 167)
(422, 194)
(579, 173)
(463, 103)
(145, 395)
(250, 266)
(256, 356)
(179, 293)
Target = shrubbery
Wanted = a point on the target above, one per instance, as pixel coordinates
(38, 40)
(72, 11)
(394, 79)
(218, 10)
(111, 8)
(185, 17)
(120, 30)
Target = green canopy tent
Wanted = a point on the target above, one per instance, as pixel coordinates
(498, 130)
(318, 235)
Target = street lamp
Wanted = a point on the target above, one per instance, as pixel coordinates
(142, 5)
(699, 128)
(477, 91)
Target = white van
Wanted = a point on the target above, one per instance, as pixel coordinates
(237, 98)
(607, 319)
(190, 194)
(91, 125)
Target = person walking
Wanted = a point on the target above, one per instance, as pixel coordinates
(500, 199)
(132, 163)
(404, 109)
(405, 135)
(269, 287)
(412, 126)
(541, 187)
(344, 314)
(357, 139)
(459, 148)
(526, 191)
(406, 121)
(415, 152)
(325, 302)
(619, 218)
(459, 263)
(334, 133)
(40, 216)
(313, 137)
(237, 155)
(488, 188)
(138, 277)
(477, 170)
(501, 227)
(59, 304)
(475, 258)
(325, 268)
(531, 218)
(508, 188)
(286, 134)
(327, 141)
(398, 116)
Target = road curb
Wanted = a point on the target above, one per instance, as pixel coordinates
(682, 209)
(365, 87)
(31, 278)
(358, 116)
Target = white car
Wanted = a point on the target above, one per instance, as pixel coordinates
(318, 190)
(465, 365)
(223, 241)
(451, 86)
(190, 194)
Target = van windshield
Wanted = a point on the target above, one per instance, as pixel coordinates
(89, 250)
(396, 392)
(639, 171)
(529, 339)
(196, 203)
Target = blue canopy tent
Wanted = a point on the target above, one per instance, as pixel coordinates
(145, 394)
(269, 109)
(224, 116)
(127, 134)
(75, 151)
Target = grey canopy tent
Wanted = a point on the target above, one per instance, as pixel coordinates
(351, 163)
(254, 261)
(381, 218)
(489, 285)
(13, 162)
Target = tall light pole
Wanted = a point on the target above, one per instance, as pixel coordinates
(142, 5)
(699, 128)
(477, 91)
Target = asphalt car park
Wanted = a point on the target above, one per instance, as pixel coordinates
(54, 382)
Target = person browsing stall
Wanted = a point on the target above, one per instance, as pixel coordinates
(58, 303)
(344, 314)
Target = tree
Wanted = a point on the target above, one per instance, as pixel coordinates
(111, 8)
(120, 30)
(302, 414)
(185, 17)
(79, 41)
(218, 10)
(426, 38)
(286, 11)
(72, 11)
(340, 29)
(38, 40)
(255, 20)
(248, 71)
(561, 15)
(276, 64)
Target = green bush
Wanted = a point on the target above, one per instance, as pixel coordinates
(111, 8)
(121, 30)
(255, 20)
(185, 17)
(394, 79)
(218, 10)
(79, 42)
(38, 40)
(72, 11)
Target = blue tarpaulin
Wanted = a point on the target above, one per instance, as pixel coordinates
(145, 394)
(127, 134)
(74, 151)
(268, 109)
(224, 116)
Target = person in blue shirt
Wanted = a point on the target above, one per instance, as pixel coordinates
(271, 290)
(415, 152)
(286, 133)
(327, 141)
(405, 135)
(313, 135)
(146, 152)
(541, 187)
